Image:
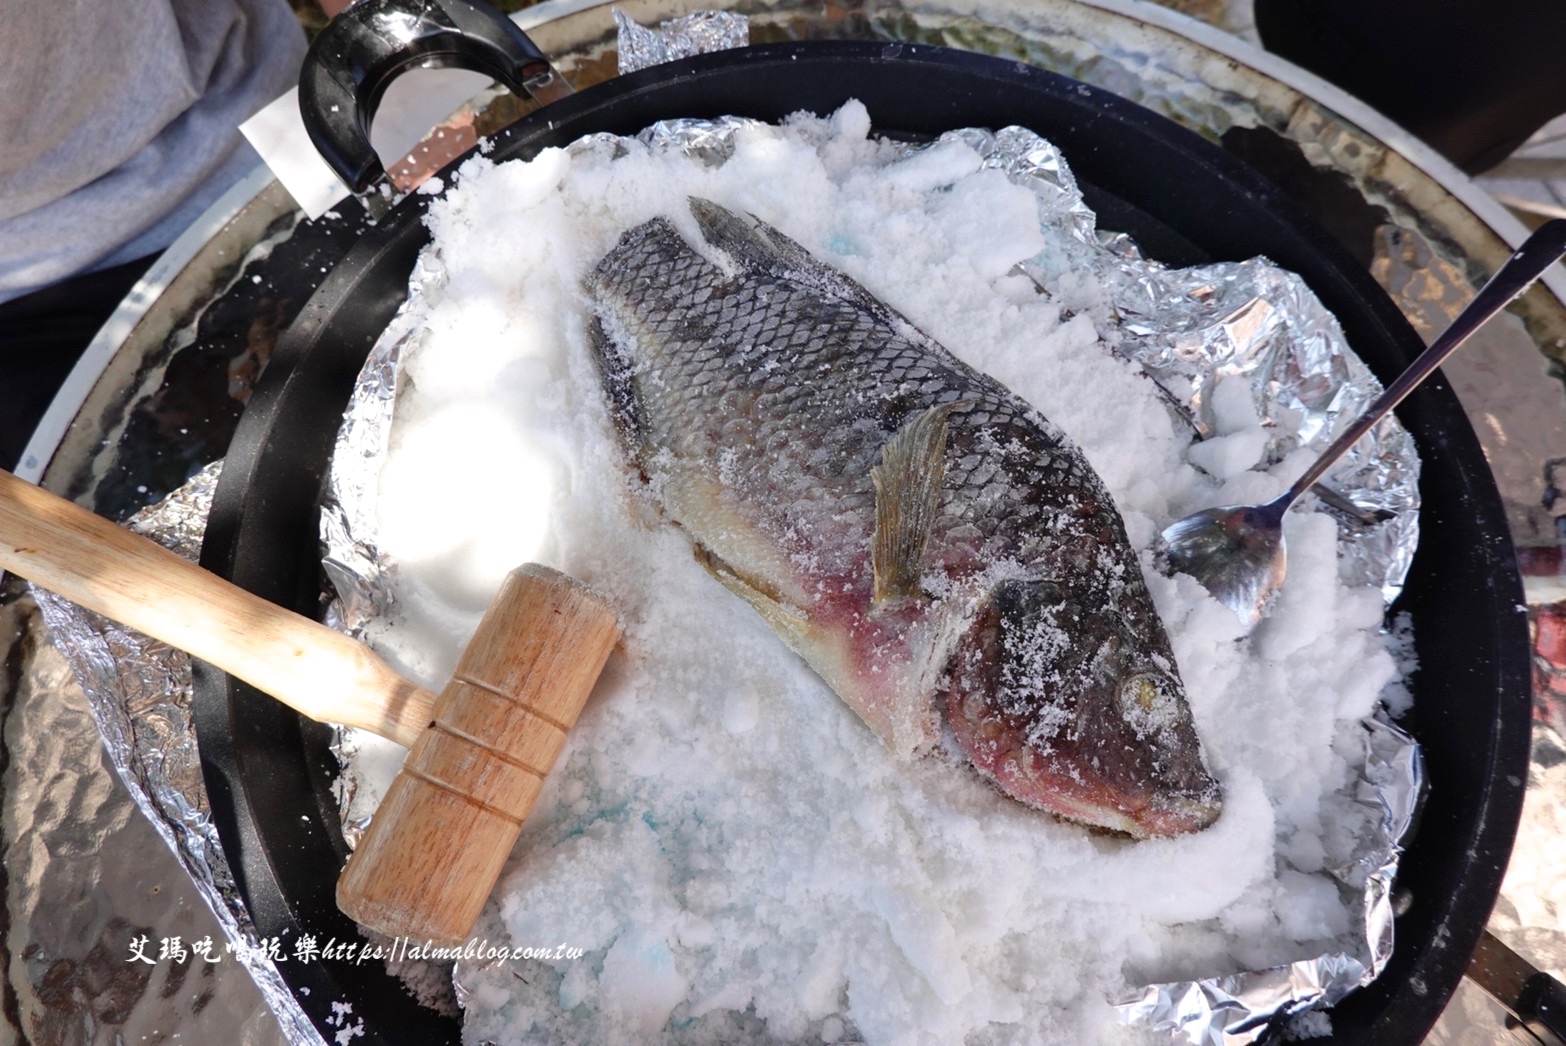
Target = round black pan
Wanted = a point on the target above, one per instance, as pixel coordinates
(268, 772)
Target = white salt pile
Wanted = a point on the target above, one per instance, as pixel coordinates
(734, 853)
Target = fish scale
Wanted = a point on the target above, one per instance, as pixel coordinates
(920, 535)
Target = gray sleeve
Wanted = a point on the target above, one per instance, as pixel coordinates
(120, 123)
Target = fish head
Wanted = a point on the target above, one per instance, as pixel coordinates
(1076, 707)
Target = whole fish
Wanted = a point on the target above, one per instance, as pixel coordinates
(919, 534)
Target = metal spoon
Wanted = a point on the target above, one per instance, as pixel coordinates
(1236, 551)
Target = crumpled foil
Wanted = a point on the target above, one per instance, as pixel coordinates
(357, 570)
(1240, 1009)
(1192, 328)
(140, 694)
(1189, 329)
(696, 33)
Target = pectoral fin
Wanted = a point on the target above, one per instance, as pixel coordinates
(907, 499)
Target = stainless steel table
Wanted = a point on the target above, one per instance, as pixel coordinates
(85, 875)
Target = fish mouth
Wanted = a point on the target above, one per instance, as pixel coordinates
(1075, 788)
(1181, 815)
(1103, 739)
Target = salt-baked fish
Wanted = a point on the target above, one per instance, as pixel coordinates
(915, 531)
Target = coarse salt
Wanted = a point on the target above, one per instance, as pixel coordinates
(738, 857)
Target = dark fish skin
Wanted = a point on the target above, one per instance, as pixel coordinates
(919, 534)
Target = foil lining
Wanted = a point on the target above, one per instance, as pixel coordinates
(692, 34)
(1242, 1008)
(140, 693)
(1189, 329)
(1192, 328)
(357, 571)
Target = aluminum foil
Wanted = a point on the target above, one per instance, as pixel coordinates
(1192, 328)
(1189, 328)
(357, 571)
(695, 33)
(140, 694)
(1242, 1008)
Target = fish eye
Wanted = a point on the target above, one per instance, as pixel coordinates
(1147, 704)
(1141, 691)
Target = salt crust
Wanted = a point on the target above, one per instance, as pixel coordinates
(739, 857)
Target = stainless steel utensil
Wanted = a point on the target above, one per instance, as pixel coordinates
(1237, 551)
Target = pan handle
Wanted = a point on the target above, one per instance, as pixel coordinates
(1534, 1001)
(362, 50)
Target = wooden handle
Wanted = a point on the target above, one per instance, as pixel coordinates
(478, 754)
(327, 676)
(443, 831)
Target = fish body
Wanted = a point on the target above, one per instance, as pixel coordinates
(924, 538)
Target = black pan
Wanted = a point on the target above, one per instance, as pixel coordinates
(269, 773)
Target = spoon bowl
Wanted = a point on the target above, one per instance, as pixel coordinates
(1237, 551)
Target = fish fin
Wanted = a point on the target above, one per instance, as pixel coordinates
(788, 621)
(615, 377)
(758, 247)
(907, 499)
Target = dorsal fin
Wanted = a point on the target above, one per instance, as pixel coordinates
(756, 246)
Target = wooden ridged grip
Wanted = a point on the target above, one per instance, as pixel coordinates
(472, 777)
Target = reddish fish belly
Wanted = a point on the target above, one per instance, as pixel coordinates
(881, 669)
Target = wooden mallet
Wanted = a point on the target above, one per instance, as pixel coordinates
(478, 752)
